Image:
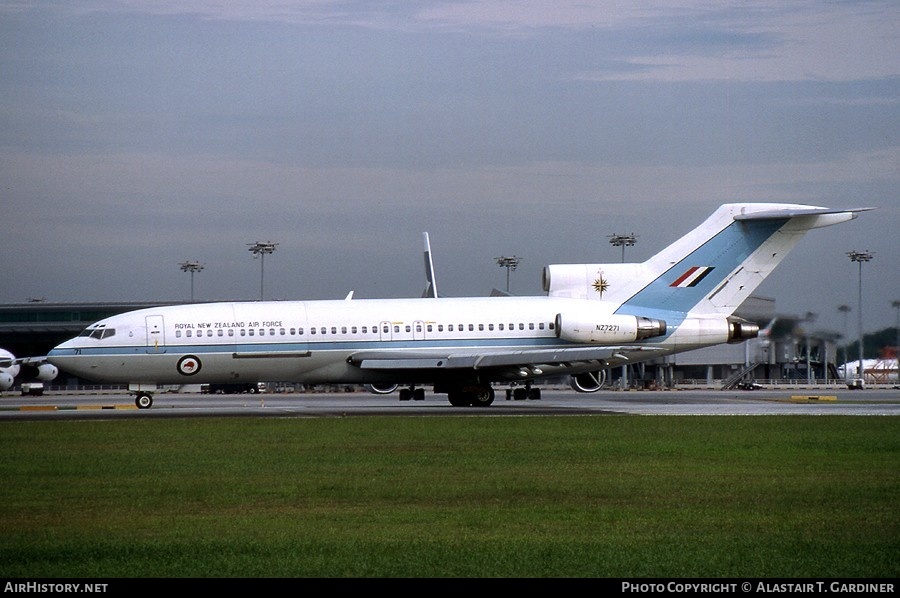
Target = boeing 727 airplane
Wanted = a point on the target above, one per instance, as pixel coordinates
(593, 317)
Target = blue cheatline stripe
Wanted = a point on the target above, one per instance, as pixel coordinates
(724, 253)
(449, 344)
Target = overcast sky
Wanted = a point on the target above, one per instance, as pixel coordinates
(136, 135)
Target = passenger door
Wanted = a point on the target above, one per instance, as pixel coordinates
(156, 334)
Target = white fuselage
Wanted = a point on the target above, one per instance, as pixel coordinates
(312, 341)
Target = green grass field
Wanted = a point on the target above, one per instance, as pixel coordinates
(600, 496)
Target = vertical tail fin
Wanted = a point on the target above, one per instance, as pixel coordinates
(712, 269)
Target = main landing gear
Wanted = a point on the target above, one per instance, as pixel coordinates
(523, 393)
(471, 396)
(411, 393)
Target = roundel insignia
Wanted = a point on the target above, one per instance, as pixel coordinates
(188, 365)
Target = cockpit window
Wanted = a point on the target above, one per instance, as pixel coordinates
(98, 333)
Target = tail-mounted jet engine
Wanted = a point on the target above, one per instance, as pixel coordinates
(607, 329)
(740, 330)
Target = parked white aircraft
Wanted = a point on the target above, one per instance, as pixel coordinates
(24, 370)
(594, 316)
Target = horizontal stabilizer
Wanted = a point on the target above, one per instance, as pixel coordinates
(791, 213)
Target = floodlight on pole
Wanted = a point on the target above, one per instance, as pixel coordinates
(192, 267)
(896, 305)
(845, 309)
(623, 241)
(809, 318)
(510, 263)
(859, 257)
(260, 250)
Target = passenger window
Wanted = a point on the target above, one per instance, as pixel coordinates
(230, 332)
(177, 334)
(189, 334)
(353, 329)
(250, 332)
(490, 326)
(220, 332)
(343, 330)
(209, 332)
(531, 326)
(481, 327)
(471, 327)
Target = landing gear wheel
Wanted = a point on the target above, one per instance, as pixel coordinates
(458, 398)
(143, 400)
(482, 396)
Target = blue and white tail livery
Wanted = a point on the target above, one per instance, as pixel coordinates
(593, 317)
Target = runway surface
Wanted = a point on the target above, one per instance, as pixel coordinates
(794, 401)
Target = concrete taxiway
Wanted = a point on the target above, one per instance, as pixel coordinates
(794, 401)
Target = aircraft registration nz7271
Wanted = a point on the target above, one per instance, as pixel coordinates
(593, 317)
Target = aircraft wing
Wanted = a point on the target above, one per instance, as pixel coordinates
(481, 360)
(7, 360)
(35, 361)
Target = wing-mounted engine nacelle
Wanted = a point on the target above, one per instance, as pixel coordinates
(6, 381)
(44, 372)
(381, 389)
(588, 381)
(740, 330)
(607, 329)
